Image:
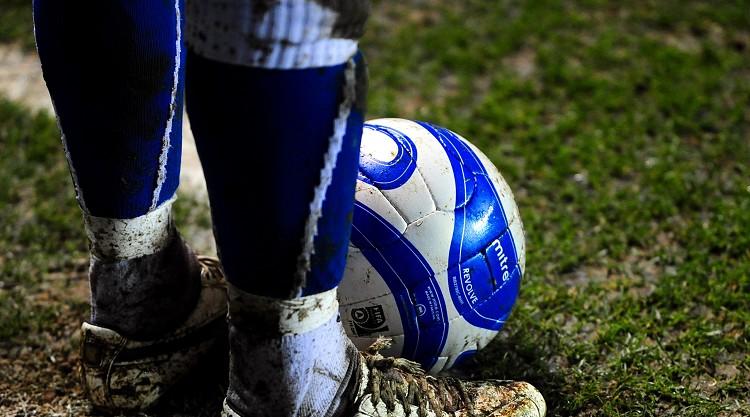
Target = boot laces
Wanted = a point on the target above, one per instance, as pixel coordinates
(401, 381)
(211, 268)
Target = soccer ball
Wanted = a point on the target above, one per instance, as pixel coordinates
(437, 249)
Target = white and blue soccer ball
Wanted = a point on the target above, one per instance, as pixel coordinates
(437, 250)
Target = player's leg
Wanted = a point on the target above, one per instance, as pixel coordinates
(275, 94)
(115, 71)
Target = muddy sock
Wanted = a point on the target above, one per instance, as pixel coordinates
(287, 357)
(144, 279)
(279, 149)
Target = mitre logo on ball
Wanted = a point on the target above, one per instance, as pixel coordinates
(437, 249)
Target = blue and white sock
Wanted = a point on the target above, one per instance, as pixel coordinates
(115, 72)
(275, 93)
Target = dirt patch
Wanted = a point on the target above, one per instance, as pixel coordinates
(523, 63)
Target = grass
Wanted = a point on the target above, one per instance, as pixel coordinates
(623, 129)
(624, 132)
(16, 23)
(36, 236)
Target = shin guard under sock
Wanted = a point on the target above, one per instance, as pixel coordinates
(279, 150)
(115, 72)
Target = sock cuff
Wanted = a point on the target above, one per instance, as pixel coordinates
(282, 317)
(123, 239)
(287, 34)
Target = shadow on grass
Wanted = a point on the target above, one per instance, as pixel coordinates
(518, 356)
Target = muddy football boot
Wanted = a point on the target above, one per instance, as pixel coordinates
(120, 374)
(397, 387)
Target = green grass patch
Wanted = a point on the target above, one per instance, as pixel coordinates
(17, 23)
(40, 225)
(623, 129)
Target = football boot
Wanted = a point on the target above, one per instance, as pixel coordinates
(121, 374)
